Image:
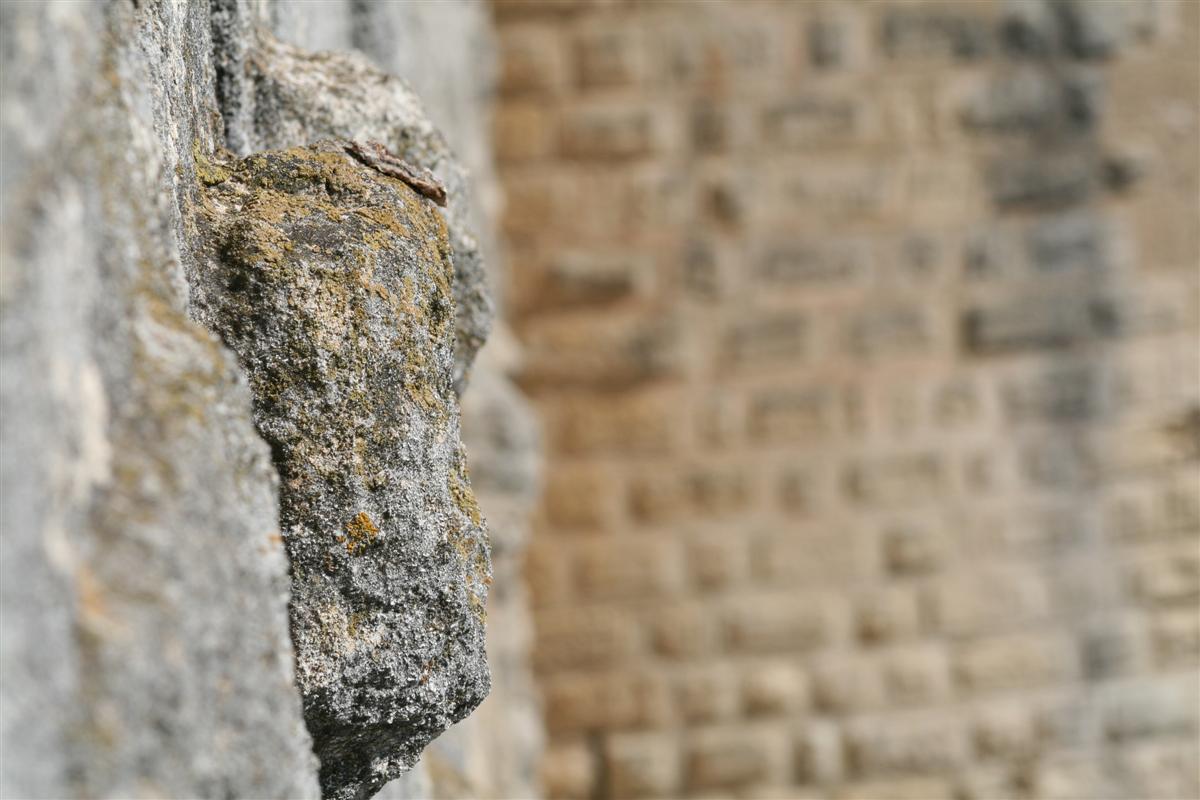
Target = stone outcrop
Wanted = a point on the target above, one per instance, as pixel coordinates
(182, 328)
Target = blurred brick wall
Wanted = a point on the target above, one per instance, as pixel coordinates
(865, 342)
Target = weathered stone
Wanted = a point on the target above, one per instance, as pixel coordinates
(297, 98)
(143, 624)
(333, 284)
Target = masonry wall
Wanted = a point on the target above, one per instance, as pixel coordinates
(865, 339)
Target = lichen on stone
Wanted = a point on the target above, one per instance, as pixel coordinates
(333, 284)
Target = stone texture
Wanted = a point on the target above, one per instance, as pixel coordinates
(145, 639)
(333, 284)
(144, 630)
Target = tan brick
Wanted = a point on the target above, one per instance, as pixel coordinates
(706, 694)
(682, 631)
(916, 676)
(727, 760)
(773, 688)
(611, 131)
(627, 568)
(819, 753)
(582, 496)
(568, 771)
(898, 789)
(887, 615)
(924, 744)
(531, 60)
(605, 702)
(1169, 575)
(523, 132)
(642, 765)
(778, 623)
(987, 599)
(913, 548)
(1015, 660)
(716, 562)
(842, 684)
(609, 57)
(573, 636)
(1175, 637)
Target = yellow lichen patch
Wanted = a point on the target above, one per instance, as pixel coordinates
(360, 532)
(464, 498)
(208, 172)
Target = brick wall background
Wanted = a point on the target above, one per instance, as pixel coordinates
(864, 337)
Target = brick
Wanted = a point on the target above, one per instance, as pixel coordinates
(715, 563)
(640, 422)
(989, 599)
(608, 58)
(916, 676)
(913, 548)
(835, 40)
(606, 702)
(627, 569)
(918, 32)
(903, 478)
(771, 339)
(1037, 323)
(580, 497)
(568, 771)
(582, 637)
(594, 278)
(1168, 576)
(1150, 708)
(773, 688)
(523, 132)
(656, 497)
(1015, 660)
(604, 351)
(1175, 637)
(531, 60)
(682, 632)
(818, 753)
(811, 554)
(777, 623)
(845, 684)
(642, 765)
(716, 491)
(898, 789)
(920, 744)
(727, 760)
(812, 119)
(1005, 730)
(602, 132)
(887, 615)
(793, 414)
(812, 265)
(706, 694)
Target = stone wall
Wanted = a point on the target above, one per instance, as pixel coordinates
(865, 340)
(238, 527)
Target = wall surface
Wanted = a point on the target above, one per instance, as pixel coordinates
(238, 530)
(865, 339)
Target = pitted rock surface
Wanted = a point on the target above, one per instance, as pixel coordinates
(292, 97)
(333, 285)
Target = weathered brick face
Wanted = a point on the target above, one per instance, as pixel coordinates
(866, 342)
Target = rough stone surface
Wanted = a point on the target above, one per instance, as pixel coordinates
(332, 283)
(144, 641)
(143, 581)
(290, 97)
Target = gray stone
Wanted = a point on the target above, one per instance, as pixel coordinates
(298, 97)
(144, 643)
(333, 284)
(143, 580)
